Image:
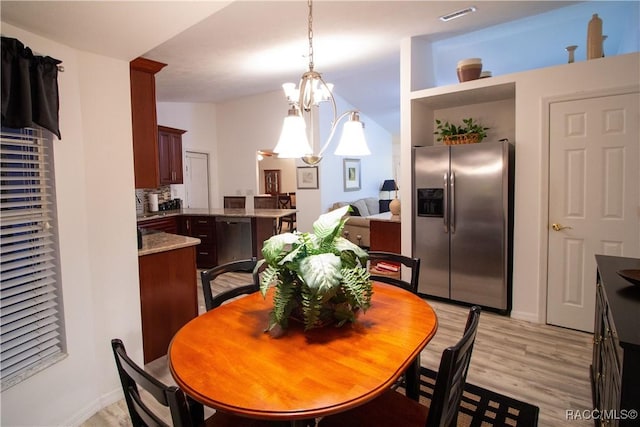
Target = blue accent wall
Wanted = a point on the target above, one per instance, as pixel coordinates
(539, 41)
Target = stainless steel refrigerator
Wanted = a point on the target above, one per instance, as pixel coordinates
(463, 222)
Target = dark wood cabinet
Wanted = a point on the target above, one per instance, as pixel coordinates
(384, 236)
(203, 228)
(170, 155)
(167, 224)
(144, 121)
(615, 369)
(168, 297)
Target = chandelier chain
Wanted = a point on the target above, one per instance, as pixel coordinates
(310, 35)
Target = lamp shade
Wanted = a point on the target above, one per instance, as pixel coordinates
(293, 140)
(389, 185)
(352, 142)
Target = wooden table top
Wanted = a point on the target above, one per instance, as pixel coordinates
(225, 360)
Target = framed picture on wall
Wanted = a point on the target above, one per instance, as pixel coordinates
(307, 177)
(351, 171)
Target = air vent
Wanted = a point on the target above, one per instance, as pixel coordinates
(457, 14)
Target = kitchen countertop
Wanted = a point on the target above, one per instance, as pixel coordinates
(238, 213)
(161, 242)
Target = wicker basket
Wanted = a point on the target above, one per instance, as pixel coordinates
(467, 138)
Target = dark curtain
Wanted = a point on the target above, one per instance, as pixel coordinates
(29, 88)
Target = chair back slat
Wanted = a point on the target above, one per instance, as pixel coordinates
(234, 202)
(284, 201)
(133, 376)
(452, 376)
(412, 263)
(147, 416)
(207, 276)
(265, 202)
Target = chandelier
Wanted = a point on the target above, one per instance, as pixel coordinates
(312, 90)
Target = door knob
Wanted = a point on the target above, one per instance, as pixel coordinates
(558, 227)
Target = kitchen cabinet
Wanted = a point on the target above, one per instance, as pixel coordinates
(168, 224)
(168, 297)
(170, 155)
(144, 121)
(203, 228)
(615, 369)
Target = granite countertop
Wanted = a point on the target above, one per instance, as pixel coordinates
(161, 242)
(238, 213)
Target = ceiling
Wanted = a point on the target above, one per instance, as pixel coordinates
(221, 50)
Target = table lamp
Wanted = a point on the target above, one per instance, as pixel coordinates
(394, 205)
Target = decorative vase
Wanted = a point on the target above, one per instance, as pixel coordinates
(394, 207)
(594, 37)
(469, 69)
(571, 50)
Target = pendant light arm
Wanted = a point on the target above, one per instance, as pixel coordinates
(334, 126)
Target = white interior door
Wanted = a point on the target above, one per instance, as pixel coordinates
(197, 180)
(594, 187)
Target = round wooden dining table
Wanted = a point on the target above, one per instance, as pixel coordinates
(225, 359)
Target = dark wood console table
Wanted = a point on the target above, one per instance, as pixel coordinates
(384, 235)
(615, 370)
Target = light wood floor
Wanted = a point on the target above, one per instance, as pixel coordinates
(544, 365)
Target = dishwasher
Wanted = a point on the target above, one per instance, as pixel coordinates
(233, 239)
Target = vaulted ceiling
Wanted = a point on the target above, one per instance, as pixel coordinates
(220, 50)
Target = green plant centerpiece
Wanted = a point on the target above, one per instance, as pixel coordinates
(320, 278)
(468, 132)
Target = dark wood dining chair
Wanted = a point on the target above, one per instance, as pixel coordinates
(285, 202)
(412, 263)
(394, 409)
(241, 266)
(265, 202)
(411, 377)
(183, 411)
(235, 202)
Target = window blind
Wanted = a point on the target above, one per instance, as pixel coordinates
(29, 297)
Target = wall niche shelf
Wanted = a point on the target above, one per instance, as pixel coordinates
(489, 101)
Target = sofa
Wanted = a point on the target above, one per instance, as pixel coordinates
(357, 227)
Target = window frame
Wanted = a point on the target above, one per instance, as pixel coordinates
(31, 315)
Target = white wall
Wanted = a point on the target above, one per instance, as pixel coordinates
(98, 255)
(199, 120)
(246, 125)
(534, 89)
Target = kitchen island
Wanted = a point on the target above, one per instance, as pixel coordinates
(225, 234)
(168, 288)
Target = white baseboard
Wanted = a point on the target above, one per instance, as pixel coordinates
(525, 315)
(97, 405)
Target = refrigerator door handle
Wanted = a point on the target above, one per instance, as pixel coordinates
(445, 215)
(452, 202)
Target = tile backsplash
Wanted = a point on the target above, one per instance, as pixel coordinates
(142, 197)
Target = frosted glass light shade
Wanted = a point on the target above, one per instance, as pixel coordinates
(352, 142)
(293, 142)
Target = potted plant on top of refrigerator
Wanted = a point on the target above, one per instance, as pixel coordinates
(469, 132)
